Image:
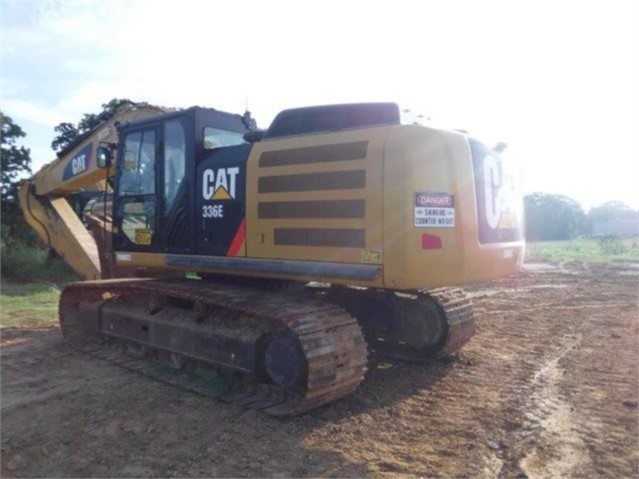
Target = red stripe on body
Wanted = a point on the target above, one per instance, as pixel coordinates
(238, 240)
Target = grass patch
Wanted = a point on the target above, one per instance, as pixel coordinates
(585, 249)
(31, 285)
(29, 304)
(25, 264)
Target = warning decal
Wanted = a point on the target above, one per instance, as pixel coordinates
(143, 236)
(369, 256)
(434, 210)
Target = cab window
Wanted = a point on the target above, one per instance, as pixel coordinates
(174, 161)
(216, 138)
(138, 165)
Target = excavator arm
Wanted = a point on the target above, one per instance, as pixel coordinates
(44, 197)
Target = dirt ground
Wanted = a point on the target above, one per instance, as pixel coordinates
(548, 387)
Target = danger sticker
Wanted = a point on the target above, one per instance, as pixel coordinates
(434, 210)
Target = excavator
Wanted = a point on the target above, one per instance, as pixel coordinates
(282, 258)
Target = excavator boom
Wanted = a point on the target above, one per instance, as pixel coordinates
(44, 197)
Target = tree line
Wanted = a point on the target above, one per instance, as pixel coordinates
(558, 217)
(16, 162)
(548, 216)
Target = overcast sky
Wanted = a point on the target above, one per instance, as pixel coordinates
(557, 80)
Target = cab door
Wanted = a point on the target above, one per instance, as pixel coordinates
(136, 221)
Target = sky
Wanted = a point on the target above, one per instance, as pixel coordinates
(556, 80)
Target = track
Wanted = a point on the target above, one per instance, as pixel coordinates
(411, 326)
(104, 319)
(333, 348)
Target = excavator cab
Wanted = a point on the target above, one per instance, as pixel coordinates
(156, 185)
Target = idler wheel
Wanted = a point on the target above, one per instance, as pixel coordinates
(285, 363)
(419, 324)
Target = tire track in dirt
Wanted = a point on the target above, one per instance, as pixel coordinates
(555, 418)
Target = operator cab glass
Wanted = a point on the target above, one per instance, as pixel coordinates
(138, 168)
(217, 138)
(174, 159)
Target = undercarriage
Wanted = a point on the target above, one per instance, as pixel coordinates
(282, 352)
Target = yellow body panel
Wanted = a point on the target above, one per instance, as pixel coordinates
(423, 159)
(260, 231)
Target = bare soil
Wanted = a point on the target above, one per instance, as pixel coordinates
(548, 387)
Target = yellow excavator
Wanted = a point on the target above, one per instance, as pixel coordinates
(278, 258)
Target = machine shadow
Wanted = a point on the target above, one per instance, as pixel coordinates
(407, 379)
(214, 438)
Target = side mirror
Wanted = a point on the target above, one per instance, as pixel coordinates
(254, 136)
(104, 157)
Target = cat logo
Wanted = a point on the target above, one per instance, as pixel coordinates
(219, 184)
(79, 164)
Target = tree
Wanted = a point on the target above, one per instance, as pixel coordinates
(612, 210)
(16, 161)
(68, 132)
(553, 217)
